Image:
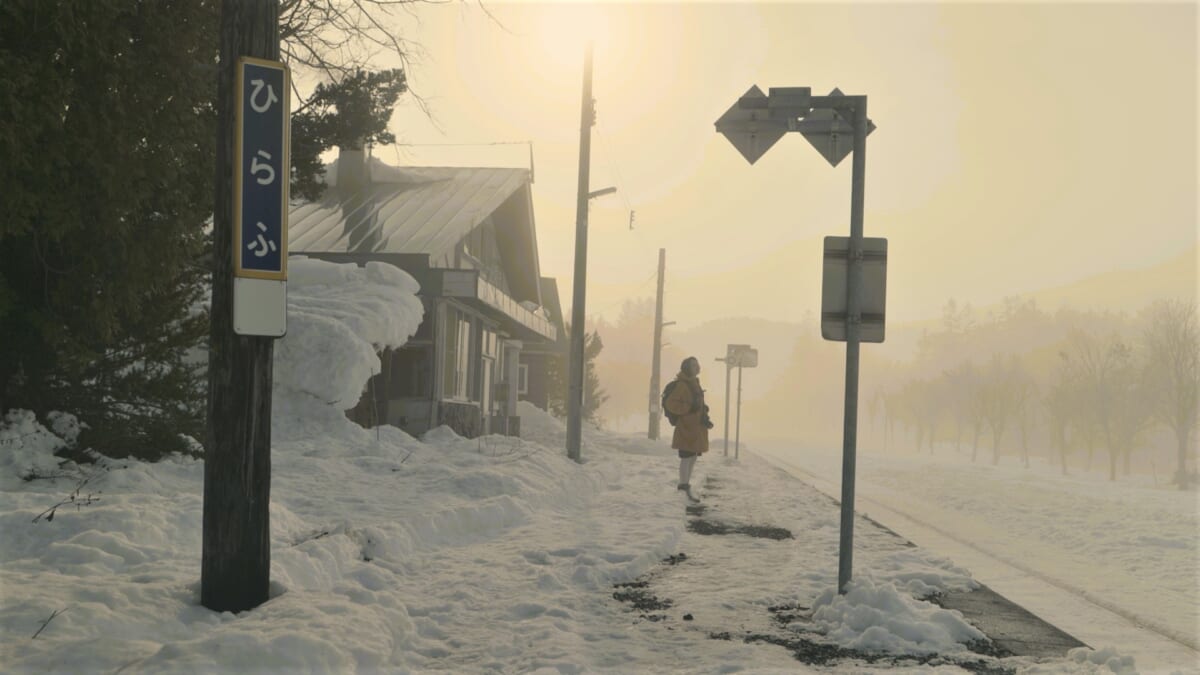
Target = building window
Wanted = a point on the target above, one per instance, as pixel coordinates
(491, 343)
(523, 379)
(457, 360)
(411, 372)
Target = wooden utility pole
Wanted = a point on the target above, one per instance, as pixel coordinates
(236, 558)
(656, 360)
(579, 292)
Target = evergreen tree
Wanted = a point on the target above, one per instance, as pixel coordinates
(558, 377)
(107, 130)
(350, 113)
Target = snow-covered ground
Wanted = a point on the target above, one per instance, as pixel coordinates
(1129, 546)
(396, 554)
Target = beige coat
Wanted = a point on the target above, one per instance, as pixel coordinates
(687, 401)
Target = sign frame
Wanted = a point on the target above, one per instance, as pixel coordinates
(282, 173)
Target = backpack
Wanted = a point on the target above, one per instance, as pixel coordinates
(671, 417)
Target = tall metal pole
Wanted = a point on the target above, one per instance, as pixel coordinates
(575, 386)
(236, 544)
(853, 321)
(656, 359)
(737, 439)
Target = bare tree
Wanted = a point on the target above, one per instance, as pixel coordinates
(340, 37)
(1060, 406)
(891, 413)
(999, 397)
(974, 402)
(1172, 342)
(1113, 394)
(1024, 395)
(956, 383)
(337, 39)
(922, 405)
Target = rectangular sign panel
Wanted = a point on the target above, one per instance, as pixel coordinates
(261, 170)
(259, 307)
(741, 356)
(748, 359)
(874, 289)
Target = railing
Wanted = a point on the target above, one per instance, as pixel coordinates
(469, 283)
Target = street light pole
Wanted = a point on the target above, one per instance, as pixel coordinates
(579, 291)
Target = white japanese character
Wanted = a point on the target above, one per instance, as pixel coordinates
(256, 166)
(262, 244)
(271, 98)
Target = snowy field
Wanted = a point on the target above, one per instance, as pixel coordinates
(392, 554)
(1129, 546)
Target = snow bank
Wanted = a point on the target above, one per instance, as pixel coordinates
(921, 573)
(879, 617)
(1087, 661)
(27, 448)
(1107, 657)
(540, 426)
(339, 317)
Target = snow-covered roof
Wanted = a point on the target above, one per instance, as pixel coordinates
(416, 209)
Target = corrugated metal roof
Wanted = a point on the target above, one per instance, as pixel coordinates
(418, 209)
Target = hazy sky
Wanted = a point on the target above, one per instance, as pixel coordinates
(1019, 146)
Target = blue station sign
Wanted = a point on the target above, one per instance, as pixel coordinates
(262, 169)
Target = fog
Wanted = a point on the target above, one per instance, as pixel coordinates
(1015, 152)
(1043, 448)
(1015, 170)
(1003, 385)
(1032, 417)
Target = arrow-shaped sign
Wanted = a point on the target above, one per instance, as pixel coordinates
(822, 128)
(751, 130)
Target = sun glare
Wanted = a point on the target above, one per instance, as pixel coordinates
(563, 31)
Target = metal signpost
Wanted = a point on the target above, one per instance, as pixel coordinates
(753, 124)
(736, 356)
(260, 193)
(743, 356)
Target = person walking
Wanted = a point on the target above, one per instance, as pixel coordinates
(686, 403)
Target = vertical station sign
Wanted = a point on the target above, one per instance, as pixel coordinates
(260, 188)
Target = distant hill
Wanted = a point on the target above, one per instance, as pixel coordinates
(1127, 290)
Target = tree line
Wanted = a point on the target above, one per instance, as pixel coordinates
(1067, 386)
(108, 130)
